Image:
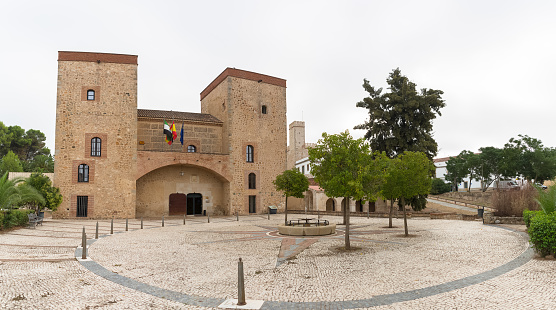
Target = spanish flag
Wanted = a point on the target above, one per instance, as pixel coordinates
(167, 133)
(174, 132)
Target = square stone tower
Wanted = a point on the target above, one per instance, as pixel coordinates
(96, 135)
(252, 107)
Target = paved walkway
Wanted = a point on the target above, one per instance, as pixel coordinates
(453, 206)
(443, 265)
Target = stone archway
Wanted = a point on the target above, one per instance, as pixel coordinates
(155, 191)
(330, 205)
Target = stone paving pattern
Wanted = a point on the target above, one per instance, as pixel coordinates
(445, 264)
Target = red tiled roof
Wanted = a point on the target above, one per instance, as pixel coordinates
(178, 116)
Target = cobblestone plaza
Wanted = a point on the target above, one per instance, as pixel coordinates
(443, 265)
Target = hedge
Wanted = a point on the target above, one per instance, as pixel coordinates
(542, 233)
(528, 215)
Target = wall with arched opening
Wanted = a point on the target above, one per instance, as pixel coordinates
(158, 188)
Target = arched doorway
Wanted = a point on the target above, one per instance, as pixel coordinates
(345, 204)
(359, 206)
(330, 205)
(194, 204)
(372, 206)
(177, 204)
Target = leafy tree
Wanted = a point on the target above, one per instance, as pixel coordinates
(438, 186)
(345, 167)
(41, 163)
(52, 197)
(292, 183)
(10, 163)
(25, 144)
(15, 192)
(491, 168)
(473, 165)
(456, 168)
(409, 175)
(401, 120)
(528, 158)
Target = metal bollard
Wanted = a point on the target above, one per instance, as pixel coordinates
(163, 221)
(112, 226)
(208, 218)
(237, 216)
(184, 219)
(84, 245)
(368, 215)
(268, 214)
(126, 225)
(96, 232)
(141, 222)
(240, 284)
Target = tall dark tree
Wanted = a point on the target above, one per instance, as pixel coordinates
(401, 120)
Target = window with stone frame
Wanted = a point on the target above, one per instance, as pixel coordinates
(90, 94)
(250, 152)
(191, 149)
(96, 147)
(83, 173)
(252, 181)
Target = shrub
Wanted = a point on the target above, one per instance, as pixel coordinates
(528, 215)
(542, 233)
(547, 199)
(439, 187)
(15, 217)
(514, 202)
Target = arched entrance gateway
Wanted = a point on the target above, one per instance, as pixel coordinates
(330, 205)
(181, 189)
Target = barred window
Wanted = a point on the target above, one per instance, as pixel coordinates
(96, 144)
(263, 109)
(82, 206)
(83, 173)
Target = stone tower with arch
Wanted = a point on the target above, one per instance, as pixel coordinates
(112, 160)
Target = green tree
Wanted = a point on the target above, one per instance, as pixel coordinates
(14, 193)
(409, 175)
(439, 186)
(490, 159)
(40, 163)
(456, 168)
(401, 120)
(473, 165)
(293, 184)
(52, 197)
(10, 163)
(345, 167)
(527, 157)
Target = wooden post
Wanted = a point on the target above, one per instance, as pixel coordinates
(84, 245)
(240, 284)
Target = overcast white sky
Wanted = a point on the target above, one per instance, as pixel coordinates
(494, 60)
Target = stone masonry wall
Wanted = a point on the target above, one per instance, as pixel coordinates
(238, 103)
(207, 138)
(113, 116)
